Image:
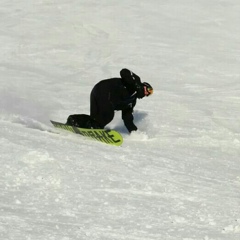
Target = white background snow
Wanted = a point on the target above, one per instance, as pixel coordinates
(177, 178)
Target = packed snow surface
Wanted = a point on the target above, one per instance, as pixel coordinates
(177, 177)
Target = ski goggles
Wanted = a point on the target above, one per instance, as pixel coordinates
(148, 91)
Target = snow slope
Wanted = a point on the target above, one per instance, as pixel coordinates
(177, 178)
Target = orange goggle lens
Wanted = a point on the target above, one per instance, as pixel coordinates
(148, 91)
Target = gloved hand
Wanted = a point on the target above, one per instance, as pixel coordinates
(130, 126)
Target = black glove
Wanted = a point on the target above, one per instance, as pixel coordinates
(127, 117)
(130, 126)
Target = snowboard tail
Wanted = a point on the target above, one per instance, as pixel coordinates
(111, 137)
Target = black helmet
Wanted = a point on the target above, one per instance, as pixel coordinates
(148, 90)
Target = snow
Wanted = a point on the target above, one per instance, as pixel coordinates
(177, 178)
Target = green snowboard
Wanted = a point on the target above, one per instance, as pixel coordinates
(111, 137)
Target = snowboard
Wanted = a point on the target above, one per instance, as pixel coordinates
(111, 137)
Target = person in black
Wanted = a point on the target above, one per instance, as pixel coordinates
(111, 95)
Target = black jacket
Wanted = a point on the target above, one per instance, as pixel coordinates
(116, 94)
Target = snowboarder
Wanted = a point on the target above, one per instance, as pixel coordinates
(113, 94)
